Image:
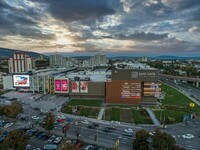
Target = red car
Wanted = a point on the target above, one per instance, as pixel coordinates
(61, 120)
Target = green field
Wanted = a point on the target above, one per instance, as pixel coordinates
(75, 102)
(174, 106)
(129, 115)
(91, 112)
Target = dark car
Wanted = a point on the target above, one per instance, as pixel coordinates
(91, 126)
(38, 133)
(41, 135)
(95, 124)
(23, 119)
(107, 130)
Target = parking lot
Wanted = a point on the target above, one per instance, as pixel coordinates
(45, 102)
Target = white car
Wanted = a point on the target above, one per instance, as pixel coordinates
(129, 130)
(61, 117)
(8, 125)
(35, 117)
(57, 140)
(85, 122)
(188, 136)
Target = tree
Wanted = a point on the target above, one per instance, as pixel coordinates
(68, 146)
(141, 141)
(163, 140)
(16, 140)
(2, 108)
(13, 110)
(48, 122)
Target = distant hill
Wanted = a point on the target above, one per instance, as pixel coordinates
(7, 53)
(165, 57)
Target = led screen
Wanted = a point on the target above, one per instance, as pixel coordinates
(57, 85)
(65, 85)
(21, 80)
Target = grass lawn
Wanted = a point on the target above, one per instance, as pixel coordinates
(126, 115)
(141, 117)
(174, 106)
(67, 110)
(115, 114)
(91, 112)
(75, 102)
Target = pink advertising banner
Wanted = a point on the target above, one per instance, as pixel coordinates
(57, 85)
(75, 87)
(65, 85)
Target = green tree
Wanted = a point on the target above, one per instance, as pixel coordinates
(141, 141)
(13, 110)
(48, 122)
(2, 108)
(163, 141)
(16, 140)
(68, 146)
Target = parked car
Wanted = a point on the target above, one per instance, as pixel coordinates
(61, 117)
(91, 126)
(8, 125)
(50, 147)
(129, 130)
(61, 120)
(85, 122)
(188, 136)
(89, 147)
(57, 140)
(41, 135)
(51, 138)
(35, 117)
(107, 130)
(95, 124)
(38, 133)
(78, 146)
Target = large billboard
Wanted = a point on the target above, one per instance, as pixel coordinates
(84, 87)
(152, 89)
(75, 86)
(61, 86)
(57, 85)
(64, 85)
(21, 80)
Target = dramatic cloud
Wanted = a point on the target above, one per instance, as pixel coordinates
(155, 26)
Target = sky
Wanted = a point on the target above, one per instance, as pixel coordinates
(145, 27)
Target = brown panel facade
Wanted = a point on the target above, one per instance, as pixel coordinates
(93, 89)
(123, 92)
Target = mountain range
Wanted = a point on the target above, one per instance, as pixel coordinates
(7, 53)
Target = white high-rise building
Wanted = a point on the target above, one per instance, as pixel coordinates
(20, 62)
(98, 60)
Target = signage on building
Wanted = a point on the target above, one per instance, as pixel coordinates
(131, 90)
(136, 74)
(152, 89)
(20, 80)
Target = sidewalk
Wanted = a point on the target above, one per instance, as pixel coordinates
(153, 117)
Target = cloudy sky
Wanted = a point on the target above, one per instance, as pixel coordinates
(103, 26)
